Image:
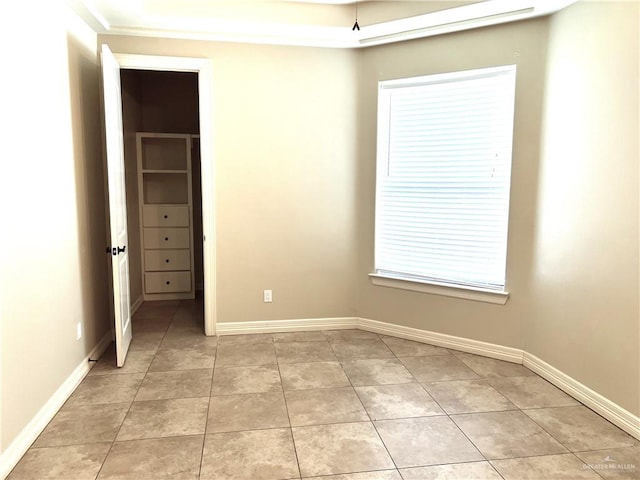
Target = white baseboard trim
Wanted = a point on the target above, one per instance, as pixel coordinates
(608, 409)
(309, 324)
(613, 412)
(485, 349)
(294, 325)
(14, 452)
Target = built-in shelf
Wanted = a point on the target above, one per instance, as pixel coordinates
(166, 212)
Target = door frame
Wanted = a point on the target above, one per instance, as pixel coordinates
(203, 67)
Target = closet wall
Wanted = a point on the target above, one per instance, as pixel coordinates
(161, 102)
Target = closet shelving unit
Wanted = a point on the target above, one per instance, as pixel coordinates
(166, 215)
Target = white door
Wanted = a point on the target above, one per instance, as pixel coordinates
(117, 202)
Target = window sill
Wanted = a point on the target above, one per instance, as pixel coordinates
(467, 293)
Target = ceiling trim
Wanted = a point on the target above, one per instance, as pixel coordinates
(476, 15)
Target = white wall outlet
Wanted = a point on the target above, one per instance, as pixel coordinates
(78, 331)
(268, 296)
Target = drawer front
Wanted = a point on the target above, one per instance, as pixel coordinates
(167, 282)
(165, 216)
(155, 238)
(165, 260)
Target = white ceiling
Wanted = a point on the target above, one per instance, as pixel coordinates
(324, 23)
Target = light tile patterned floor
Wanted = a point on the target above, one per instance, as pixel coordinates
(340, 405)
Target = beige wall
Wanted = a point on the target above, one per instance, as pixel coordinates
(572, 265)
(284, 143)
(54, 268)
(523, 44)
(584, 318)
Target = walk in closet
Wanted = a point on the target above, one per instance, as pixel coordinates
(162, 170)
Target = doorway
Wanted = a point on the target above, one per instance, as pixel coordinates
(178, 93)
(161, 133)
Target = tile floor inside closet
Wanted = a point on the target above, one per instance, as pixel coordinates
(340, 404)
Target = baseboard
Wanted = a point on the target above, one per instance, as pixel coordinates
(613, 412)
(294, 325)
(137, 304)
(608, 409)
(309, 324)
(14, 452)
(485, 349)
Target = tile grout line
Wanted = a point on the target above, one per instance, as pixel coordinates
(436, 402)
(286, 406)
(206, 422)
(442, 408)
(371, 422)
(115, 438)
(569, 451)
(396, 357)
(147, 371)
(452, 420)
(480, 376)
(454, 423)
(460, 429)
(422, 386)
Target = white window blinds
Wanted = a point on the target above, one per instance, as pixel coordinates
(443, 177)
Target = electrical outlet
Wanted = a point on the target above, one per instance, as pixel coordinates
(268, 296)
(78, 331)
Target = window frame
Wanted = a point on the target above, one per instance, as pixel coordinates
(411, 282)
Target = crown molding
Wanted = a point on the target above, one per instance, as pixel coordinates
(476, 15)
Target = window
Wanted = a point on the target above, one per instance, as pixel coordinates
(443, 178)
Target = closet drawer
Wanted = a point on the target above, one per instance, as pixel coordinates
(167, 282)
(165, 216)
(155, 238)
(164, 260)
